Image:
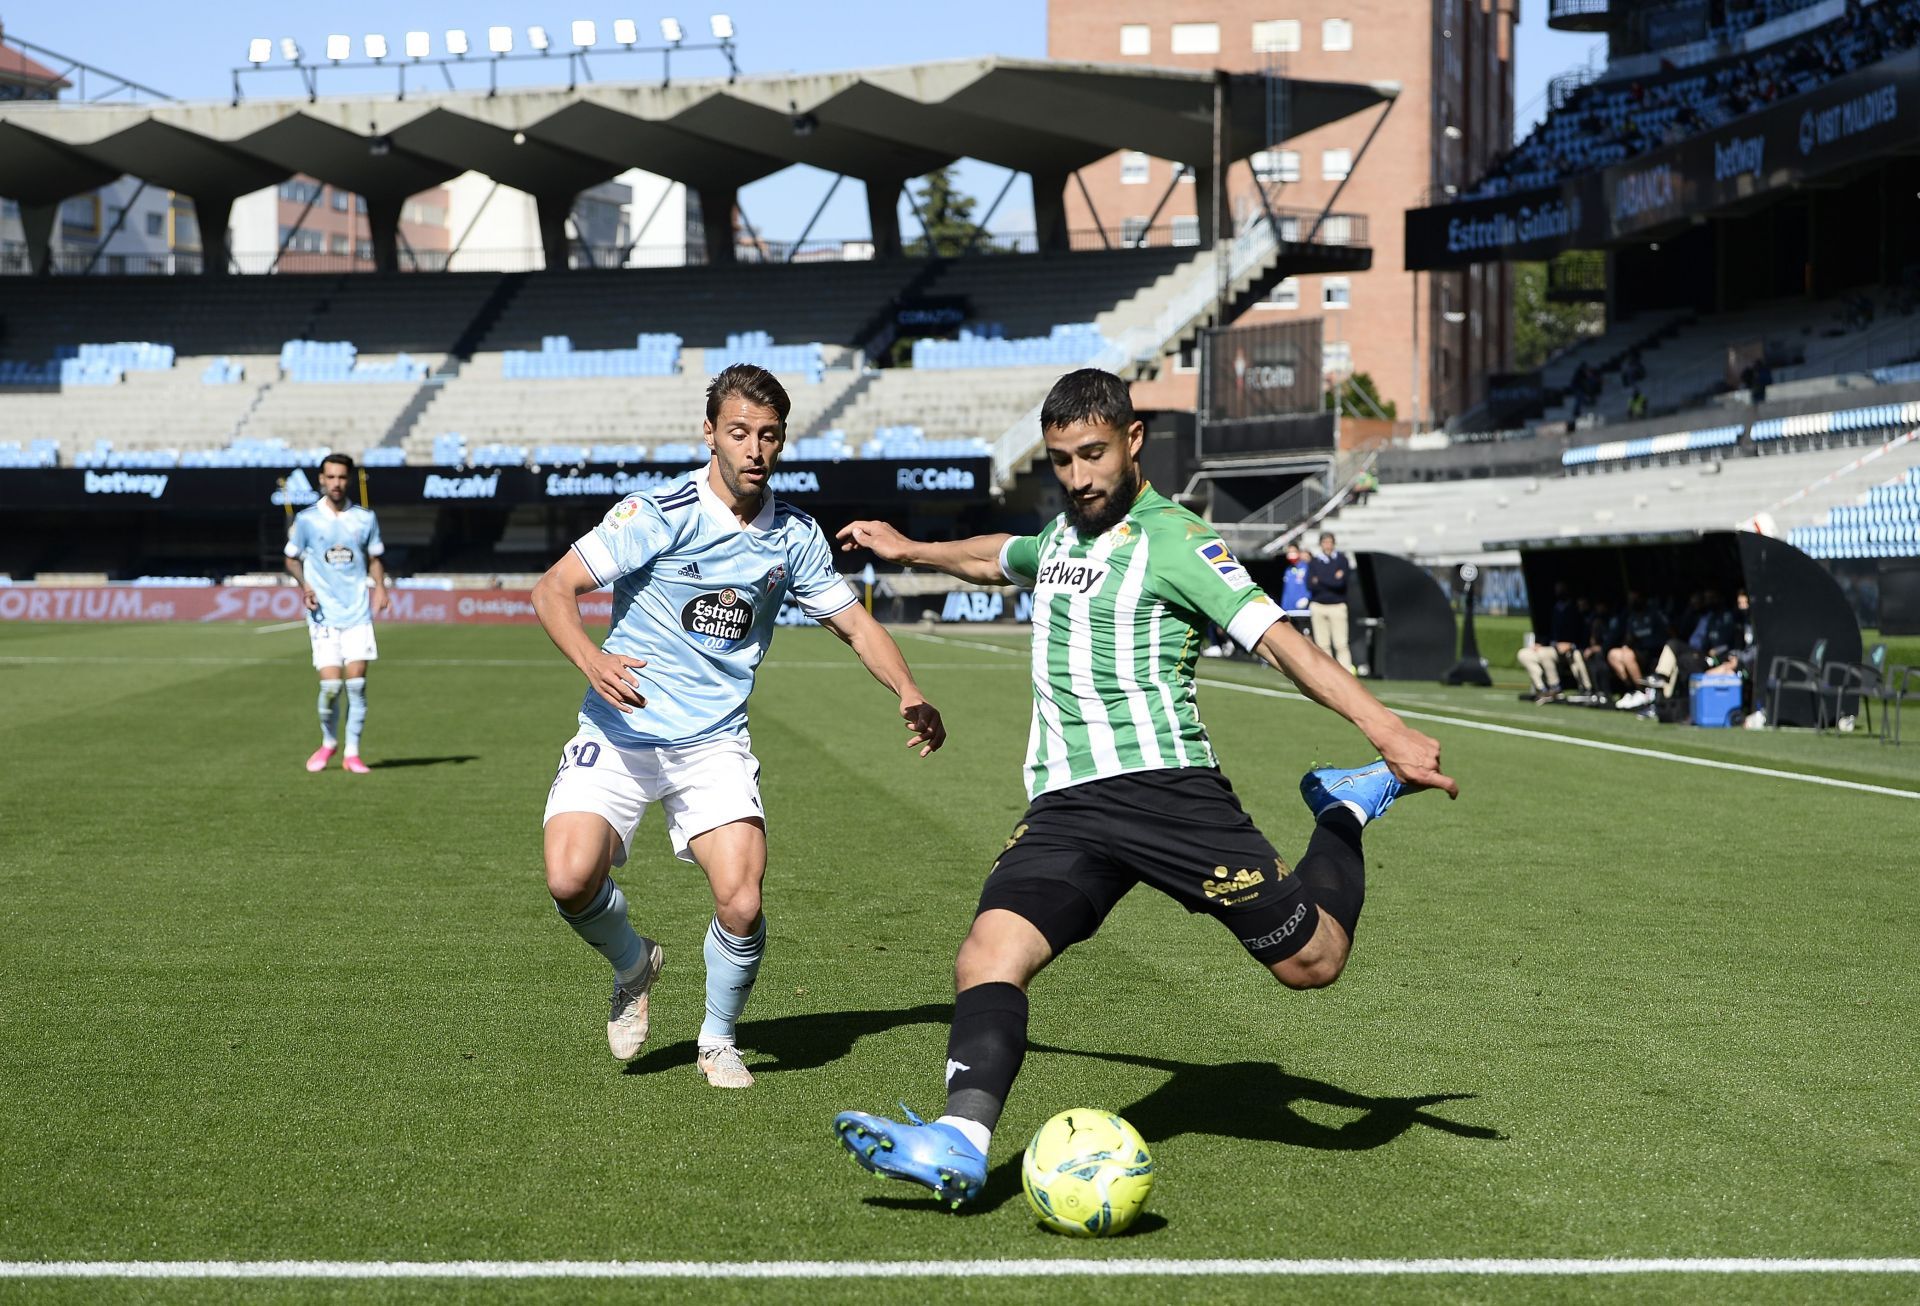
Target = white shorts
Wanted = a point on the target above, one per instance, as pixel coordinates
(335, 646)
(701, 787)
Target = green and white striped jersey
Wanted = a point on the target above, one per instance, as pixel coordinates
(1118, 625)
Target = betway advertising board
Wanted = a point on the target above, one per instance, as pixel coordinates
(266, 488)
(1865, 115)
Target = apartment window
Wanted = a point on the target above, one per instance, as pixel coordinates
(1132, 230)
(1187, 358)
(1284, 295)
(363, 250)
(1335, 164)
(80, 216)
(1336, 357)
(1133, 168)
(156, 224)
(9, 208)
(1276, 165)
(1336, 230)
(1289, 228)
(302, 241)
(339, 200)
(359, 203)
(300, 192)
(115, 216)
(1335, 292)
(337, 244)
(1196, 38)
(1186, 230)
(1336, 34)
(1277, 36)
(1136, 38)
(1186, 174)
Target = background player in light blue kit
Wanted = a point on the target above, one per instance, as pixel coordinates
(699, 569)
(333, 549)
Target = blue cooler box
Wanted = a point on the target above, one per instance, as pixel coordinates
(1715, 699)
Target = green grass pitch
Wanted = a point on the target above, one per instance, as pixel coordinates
(1604, 1005)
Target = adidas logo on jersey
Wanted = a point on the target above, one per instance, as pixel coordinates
(691, 569)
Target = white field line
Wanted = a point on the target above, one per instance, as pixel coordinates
(1519, 733)
(1130, 1267)
(279, 626)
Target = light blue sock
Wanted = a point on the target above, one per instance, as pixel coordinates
(329, 706)
(356, 712)
(604, 924)
(732, 964)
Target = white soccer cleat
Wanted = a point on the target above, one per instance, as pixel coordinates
(627, 1017)
(723, 1067)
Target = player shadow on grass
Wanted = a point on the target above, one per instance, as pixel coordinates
(387, 764)
(804, 1042)
(1251, 1100)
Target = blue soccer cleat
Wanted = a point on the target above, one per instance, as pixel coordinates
(935, 1156)
(1366, 791)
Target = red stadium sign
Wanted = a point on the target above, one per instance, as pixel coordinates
(268, 603)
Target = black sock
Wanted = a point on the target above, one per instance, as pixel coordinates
(1334, 871)
(984, 1050)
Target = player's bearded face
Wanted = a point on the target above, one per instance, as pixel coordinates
(1096, 467)
(746, 440)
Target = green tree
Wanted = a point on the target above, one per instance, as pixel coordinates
(1542, 328)
(947, 212)
(1360, 397)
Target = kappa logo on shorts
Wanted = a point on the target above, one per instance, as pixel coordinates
(1287, 927)
(1218, 556)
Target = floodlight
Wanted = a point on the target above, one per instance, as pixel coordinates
(457, 42)
(376, 45)
(584, 34)
(722, 25)
(417, 47)
(519, 138)
(625, 31)
(1452, 132)
(289, 49)
(670, 31)
(259, 49)
(500, 40)
(1454, 317)
(339, 47)
(537, 38)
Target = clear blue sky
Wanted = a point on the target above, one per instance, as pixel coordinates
(188, 51)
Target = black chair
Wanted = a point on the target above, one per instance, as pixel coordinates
(1806, 673)
(1873, 681)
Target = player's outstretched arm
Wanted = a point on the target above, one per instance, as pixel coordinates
(556, 601)
(877, 652)
(976, 559)
(1413, 756)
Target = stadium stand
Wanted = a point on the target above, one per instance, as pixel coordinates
(945, 404)
(1066, 346)
(1608, 122)
(1884, 524)
(142, 412)
(557, 359)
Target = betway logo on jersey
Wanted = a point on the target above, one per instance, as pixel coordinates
(932, 478)
(1070, 574)
(296, 490)
(126, 483)
(461, 487)
(1740, 155)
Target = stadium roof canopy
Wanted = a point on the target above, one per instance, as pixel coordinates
(881, 125)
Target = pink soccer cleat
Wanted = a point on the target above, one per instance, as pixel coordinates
(321, 756)
(353, 764)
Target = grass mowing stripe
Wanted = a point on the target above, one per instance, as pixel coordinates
(1602, 745)
(1503, 1267)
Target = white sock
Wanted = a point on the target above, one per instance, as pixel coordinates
(972, 1130)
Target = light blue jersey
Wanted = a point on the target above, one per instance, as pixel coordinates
(334, 549)
(695, 593)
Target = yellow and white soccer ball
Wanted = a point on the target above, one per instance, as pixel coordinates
(1087, 1173)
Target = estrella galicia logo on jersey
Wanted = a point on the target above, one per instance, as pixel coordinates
(1067, 573)
(296, 490)
(720, 620)
(1218, 556)
(340, 555)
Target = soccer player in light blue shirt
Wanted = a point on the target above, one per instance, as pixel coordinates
(699, 569)
(333, 550)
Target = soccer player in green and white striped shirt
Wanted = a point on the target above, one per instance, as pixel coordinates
(1122, 780)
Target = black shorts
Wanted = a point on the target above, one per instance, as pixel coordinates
(1078, 851)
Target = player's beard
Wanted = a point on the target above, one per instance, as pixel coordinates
(1112, 510)
(737, 485)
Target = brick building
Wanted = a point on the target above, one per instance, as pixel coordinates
(1453, 60)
